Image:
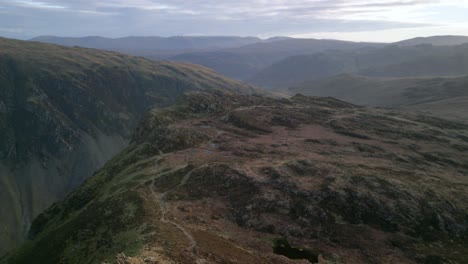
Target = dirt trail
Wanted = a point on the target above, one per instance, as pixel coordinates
(161, 198)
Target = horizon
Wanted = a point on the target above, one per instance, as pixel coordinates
(214, 36)
(355, 20)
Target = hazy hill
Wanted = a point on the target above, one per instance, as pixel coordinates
(435, 40)
(66, 111)
(385, 91)
(236, 57)
(151, 47)
(444, 97)
(245, 61)
(390, 61)
(223, 178)
(455, 108)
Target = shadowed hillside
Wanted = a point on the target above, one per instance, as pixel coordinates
(65, 111)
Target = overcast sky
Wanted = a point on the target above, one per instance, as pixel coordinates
(367, 20)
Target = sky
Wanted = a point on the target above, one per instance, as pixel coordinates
(357, 20)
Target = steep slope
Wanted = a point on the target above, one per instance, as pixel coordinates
(244, 62)
(390, 61)
(66, 111)
(444, 97)
(152, 47)
(435, 40)
(224, 178)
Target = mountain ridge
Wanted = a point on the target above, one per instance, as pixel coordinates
(240, 57)
(447, 40)
(65, 111)
(253, 179)
(242, 62)
(148, 42)
(151, 46)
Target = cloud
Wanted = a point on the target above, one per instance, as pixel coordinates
(212, 17)
(37, 4)
(11, 30)
(222, 8)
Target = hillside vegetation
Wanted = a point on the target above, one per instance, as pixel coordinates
(225, 178)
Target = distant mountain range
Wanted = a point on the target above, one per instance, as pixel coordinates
(152, 43)
(434, 40)
(389, 61)
(245, 61)
(151, 47)
(243, 58)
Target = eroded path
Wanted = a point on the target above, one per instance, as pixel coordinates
(161, 198)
